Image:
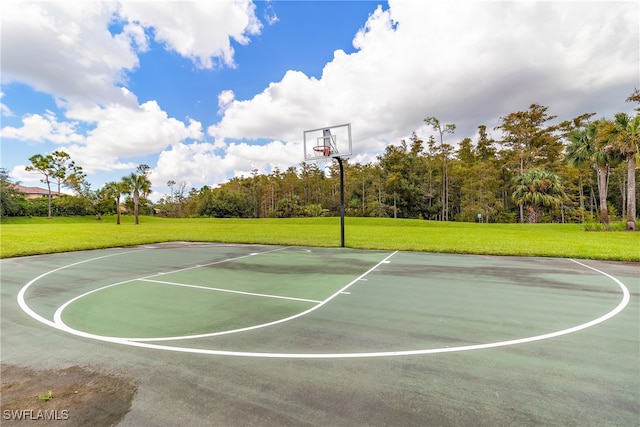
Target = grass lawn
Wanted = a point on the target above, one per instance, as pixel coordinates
(31, 236)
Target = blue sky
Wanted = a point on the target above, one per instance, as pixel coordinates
(303, 38)
(204, 91)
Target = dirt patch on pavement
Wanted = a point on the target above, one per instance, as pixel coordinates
(73, 396)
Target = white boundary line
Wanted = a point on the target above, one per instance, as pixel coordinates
(23, 305)
(58, 324)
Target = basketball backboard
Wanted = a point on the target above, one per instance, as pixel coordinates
(327, 142)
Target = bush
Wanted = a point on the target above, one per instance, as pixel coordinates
(612, 226)
(505, 217)
(72, 206)
(315, 210)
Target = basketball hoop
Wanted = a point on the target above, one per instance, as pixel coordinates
(324, 150)
(326, 144)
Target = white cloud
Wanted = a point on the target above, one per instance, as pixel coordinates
(41, 128)
(119, 133)
(134, 34)
(211, 164)
(242, 158)
(270, 15)
(281, 111)
(201, 31)
(20, 175)
(464, 62)
(64, 48)
(4, 110)
(225, 98)
(123, 132)
(194, 163)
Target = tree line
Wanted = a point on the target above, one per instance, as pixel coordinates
(58, 168)
(577, 170)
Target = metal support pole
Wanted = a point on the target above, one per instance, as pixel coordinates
(341, 202)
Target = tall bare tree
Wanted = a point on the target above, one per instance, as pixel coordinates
(445, 151)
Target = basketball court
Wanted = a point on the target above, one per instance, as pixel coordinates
(294, 335)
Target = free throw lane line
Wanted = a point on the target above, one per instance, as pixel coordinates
(207, 288)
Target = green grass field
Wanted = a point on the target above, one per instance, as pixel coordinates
(31, 236)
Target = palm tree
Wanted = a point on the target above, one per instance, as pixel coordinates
(622, 135)
(536, 189)
(584, 148)
(138, 183)
(115, 190)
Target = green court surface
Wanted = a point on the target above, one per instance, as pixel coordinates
(219, 296)
(521, 341)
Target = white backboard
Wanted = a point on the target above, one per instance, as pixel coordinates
(327, 142)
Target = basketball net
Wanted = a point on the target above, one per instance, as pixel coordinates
(322, 163)
(326, 150)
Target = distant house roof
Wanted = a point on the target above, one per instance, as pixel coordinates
(35, 191)
(31, 190)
